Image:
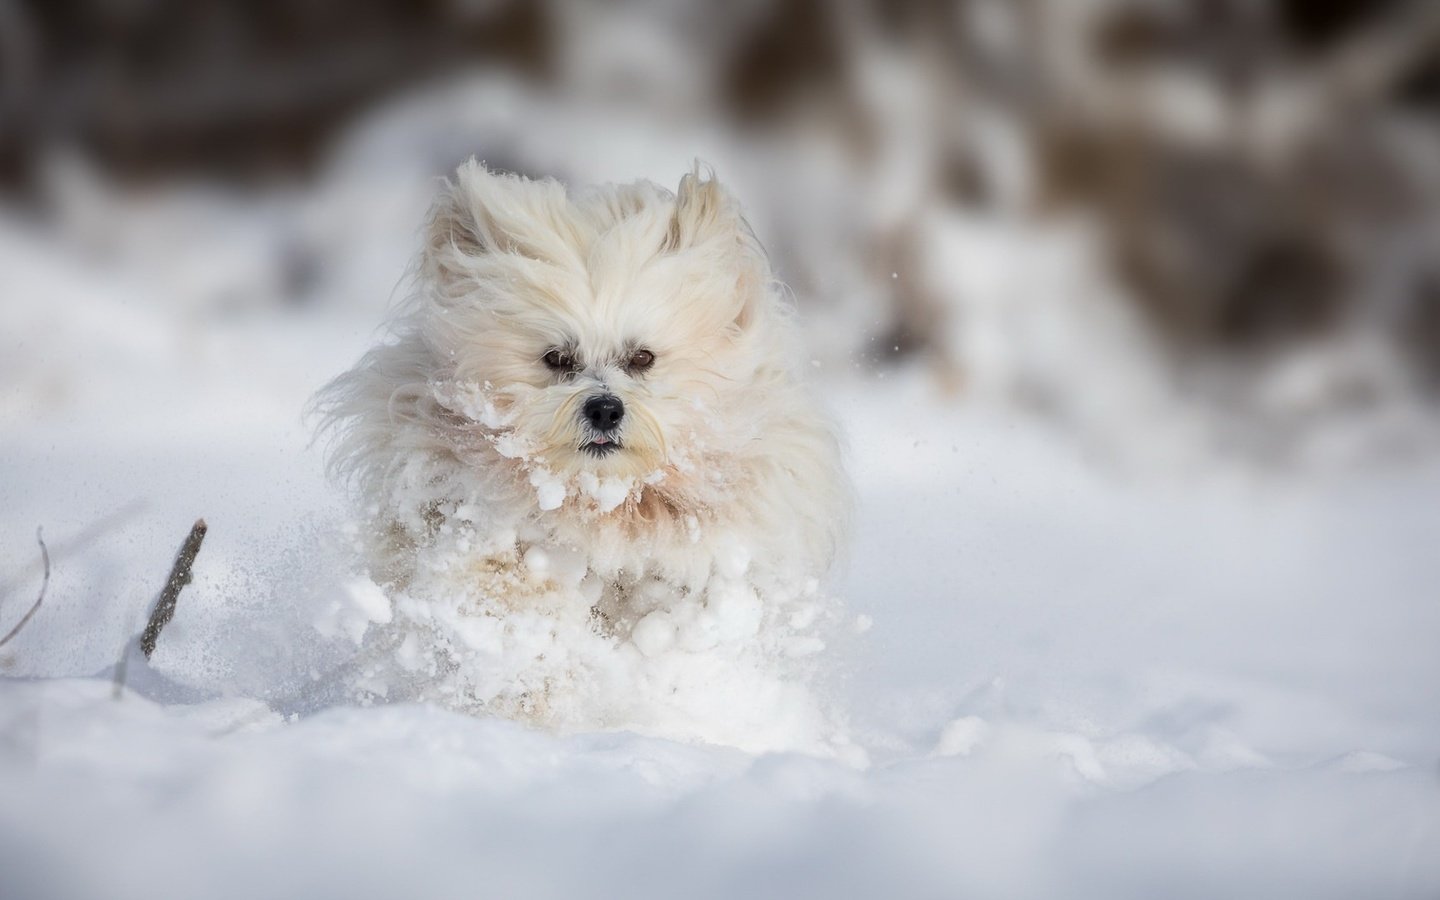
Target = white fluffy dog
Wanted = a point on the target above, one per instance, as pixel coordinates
(608, 376)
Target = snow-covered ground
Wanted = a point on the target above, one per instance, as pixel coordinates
(1060, 677)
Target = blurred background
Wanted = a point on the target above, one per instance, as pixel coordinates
(1131, 307)
(1179, 231)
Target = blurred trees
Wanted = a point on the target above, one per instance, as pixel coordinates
(1263, 173)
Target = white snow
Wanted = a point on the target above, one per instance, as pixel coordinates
(359, 602)
(608, 492)
(1053, 676)
(550, 489)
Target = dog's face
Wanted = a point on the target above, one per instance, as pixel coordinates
(621, 333)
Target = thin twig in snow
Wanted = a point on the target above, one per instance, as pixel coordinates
(77, 541)
(44, 583)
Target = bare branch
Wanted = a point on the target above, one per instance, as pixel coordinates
(44, 583)
(179, 577)
(83, 538)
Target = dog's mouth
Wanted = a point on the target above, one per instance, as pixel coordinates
(600, 445)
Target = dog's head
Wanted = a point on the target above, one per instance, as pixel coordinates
(614, 332)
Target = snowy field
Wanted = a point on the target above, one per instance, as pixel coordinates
(1053, 676)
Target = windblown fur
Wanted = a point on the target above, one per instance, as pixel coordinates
(459, 436)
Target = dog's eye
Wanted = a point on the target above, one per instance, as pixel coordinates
(559, 360)
(640, 360)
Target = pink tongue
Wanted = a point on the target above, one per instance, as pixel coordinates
(601, 440)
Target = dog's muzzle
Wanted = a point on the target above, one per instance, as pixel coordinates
(603, 414)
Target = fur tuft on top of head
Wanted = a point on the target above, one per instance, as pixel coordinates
(613, 370)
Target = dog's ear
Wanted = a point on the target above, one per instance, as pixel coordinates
(487, 214)
(704, 211)
(706, 214)
(454, 236)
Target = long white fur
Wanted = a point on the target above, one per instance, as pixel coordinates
(455, 423)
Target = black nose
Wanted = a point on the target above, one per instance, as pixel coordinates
(604, 412)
